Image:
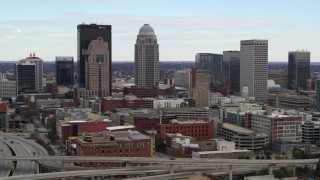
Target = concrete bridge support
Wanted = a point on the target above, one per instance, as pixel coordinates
(171, 168)
(294, 170)
(270, 169)
(37, 166)
(230, 172)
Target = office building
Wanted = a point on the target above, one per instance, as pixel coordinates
(254, 67)
(277, 126)
(311, 132)
(33, 59)
(97, 66)
(317, 94)
(87, 33)
(231, 71)
(289, 101)
(26, 78)
(298, 69)
(199, 90)
(4, 125)
(8, 86)
(65, 70)
(182, 78)
(280, 77)
(146, 59)
(212, 63)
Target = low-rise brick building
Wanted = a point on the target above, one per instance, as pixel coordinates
(201, 130)
(114, 144)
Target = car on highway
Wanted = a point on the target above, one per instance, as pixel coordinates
(172, 158)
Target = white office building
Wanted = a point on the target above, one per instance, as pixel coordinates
(254, 67)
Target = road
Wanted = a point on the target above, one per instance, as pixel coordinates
(5, 165)
(151, 172)
(152, 160)
(20, 149)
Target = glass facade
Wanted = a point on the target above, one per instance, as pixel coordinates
(64, 71)
(231, 71)
(298, 69)
(26, 78)
(212, 63)
(86, 33)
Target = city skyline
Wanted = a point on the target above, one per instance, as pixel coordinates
(49, 29)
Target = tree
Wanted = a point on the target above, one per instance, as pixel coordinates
(159, 144)
(305, 169)
(247, 157)
(267, 152)
(299, 170)
(177, 152)
(268, 156)
(281, 173)
(296, 154)
(257, 157)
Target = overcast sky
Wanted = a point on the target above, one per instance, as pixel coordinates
(183, 27)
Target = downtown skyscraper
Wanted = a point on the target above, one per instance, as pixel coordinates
(212, 63)
(254, 67)
(38, 62)
(298, 69)
(231, 71)
(64, 70)
(87, 33)
(146, 59)
(97, 65)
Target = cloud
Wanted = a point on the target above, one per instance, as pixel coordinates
(180, 37)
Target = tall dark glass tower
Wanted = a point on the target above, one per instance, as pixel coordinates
(298, 69)
(64, 71)
(26, 78)
(231, 71)
(212, 63)
(87, 33)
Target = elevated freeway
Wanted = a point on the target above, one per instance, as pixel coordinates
(20, 149)
(154, 160)
(5, 166)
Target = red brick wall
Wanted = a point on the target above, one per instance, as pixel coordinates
(188, 151)
(200, 131)
(90, 127)
(111, 149)
(146, 124)
(134, 104)
(108, 105)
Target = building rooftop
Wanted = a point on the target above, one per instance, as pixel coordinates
(146, 30)
(222, 152)
(115, 128)
(237, 128)
(118, 136)
(174, 121)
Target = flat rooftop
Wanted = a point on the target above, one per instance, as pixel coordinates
(114, 128)
(237, 128)
(222, 152)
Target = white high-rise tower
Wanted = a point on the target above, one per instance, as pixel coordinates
(146, 60)
(254, 67)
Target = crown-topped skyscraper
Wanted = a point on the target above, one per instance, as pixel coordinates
(146, 59)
